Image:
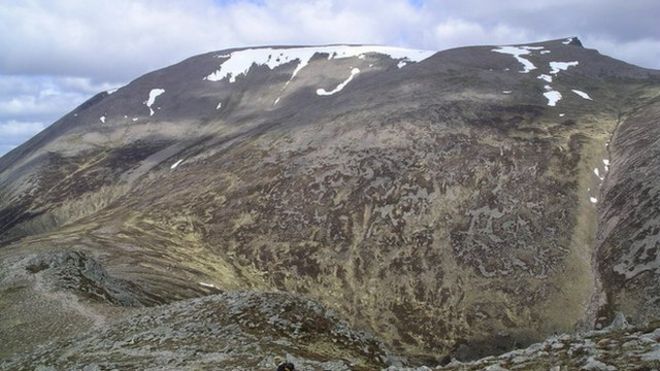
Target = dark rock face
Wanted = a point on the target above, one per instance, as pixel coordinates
(629, 250)
(75, 271)
(453, 204)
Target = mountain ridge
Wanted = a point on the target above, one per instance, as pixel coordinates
(451, 206)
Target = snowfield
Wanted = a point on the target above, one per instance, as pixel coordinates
(239, 62)
(516, 52)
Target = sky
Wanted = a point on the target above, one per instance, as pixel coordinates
(55, 54)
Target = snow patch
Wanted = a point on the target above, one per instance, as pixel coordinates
(112, 91)
(401, 64)
(545, 77)
(506, 91)
(102, 118)
(552, 96)
(598, 173)
(339, 87)
(582, 94)
(516, 52)
(593, 200)
(545, 51)
(134, 119)
(240, 61)
(218, 106)
(568, 41)
(561, 66)
(562, 114)
(153, 94)
(174, 165)
(204, 284)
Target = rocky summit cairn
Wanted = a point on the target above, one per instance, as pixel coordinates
(342, 207)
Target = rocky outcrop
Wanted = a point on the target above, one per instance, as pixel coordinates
(252, 331)
(243, 331)
(611, 349)
(628, 255)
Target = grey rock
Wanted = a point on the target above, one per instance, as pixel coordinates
(619, 323)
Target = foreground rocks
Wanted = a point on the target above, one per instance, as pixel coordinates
(243, 331)
(607, 350)
(252, 331)
(614, 348)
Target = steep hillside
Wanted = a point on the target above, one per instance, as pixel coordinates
(453, 204)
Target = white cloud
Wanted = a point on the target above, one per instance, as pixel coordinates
(15, 132)
(19, 128)
(43, 98)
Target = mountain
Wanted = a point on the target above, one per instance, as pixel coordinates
(431, 205)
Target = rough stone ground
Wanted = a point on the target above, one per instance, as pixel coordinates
(622, 349)
(252, 331)
(236, 331)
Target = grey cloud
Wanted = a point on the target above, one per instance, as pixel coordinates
(121, 39)
(615, 19)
